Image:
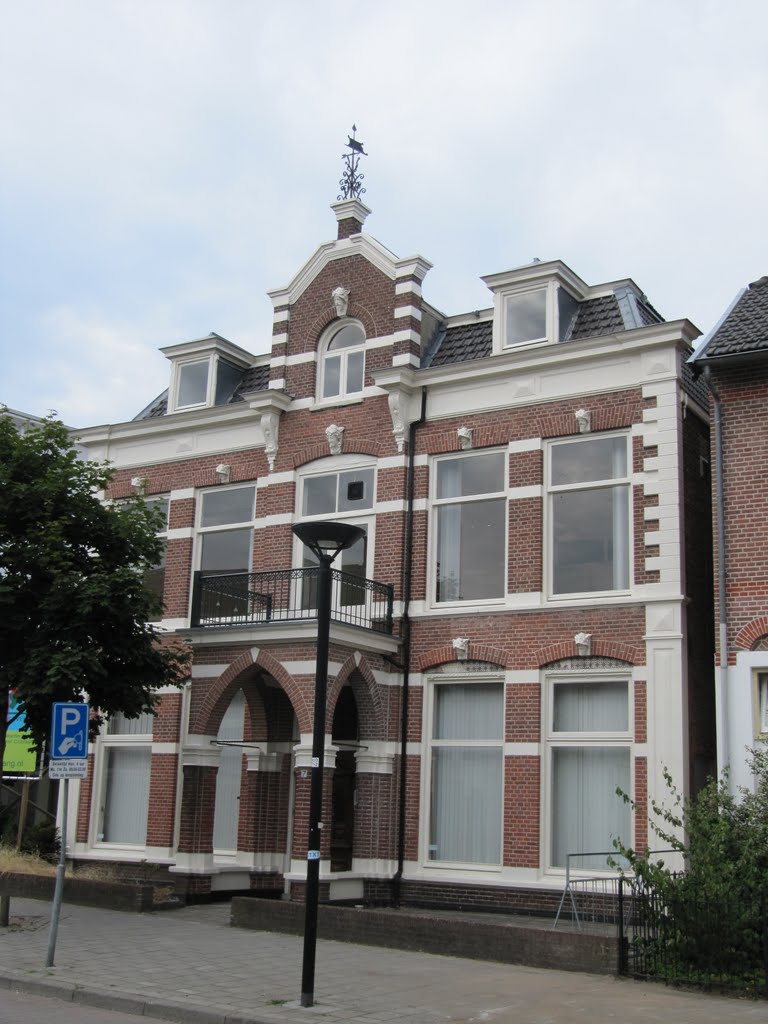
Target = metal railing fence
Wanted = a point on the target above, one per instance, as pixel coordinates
(716, 939)
(288, 595)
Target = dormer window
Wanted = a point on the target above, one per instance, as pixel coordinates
(541, 314)
(205, 372)
(343, 364)
(205, 382)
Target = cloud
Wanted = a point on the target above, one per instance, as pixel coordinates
(165, 162)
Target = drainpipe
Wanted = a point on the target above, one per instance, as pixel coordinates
(406, 636)
(721, 689)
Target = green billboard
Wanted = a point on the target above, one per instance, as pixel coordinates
(20, 756)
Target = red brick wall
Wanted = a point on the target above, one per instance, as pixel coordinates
(745, 440)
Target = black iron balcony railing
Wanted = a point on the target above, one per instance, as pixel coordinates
(288, 595)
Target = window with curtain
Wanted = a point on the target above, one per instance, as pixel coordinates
(590, 756)
(466, 769)
(470, 516)
(126, 759)
(589, 505)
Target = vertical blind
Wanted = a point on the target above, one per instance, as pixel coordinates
(466, 780)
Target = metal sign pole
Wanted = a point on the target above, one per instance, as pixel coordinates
(59, 890)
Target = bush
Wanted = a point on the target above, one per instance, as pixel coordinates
(43, 840)
(707, 923)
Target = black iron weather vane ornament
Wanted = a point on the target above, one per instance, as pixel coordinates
(351, 181)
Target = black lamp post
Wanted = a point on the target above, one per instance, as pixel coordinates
(325, 541)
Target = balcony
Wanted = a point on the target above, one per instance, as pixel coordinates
(288, 595)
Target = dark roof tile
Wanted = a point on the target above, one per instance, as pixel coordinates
(745, 329)
(463, 342)
(597, 317)
(255, 378)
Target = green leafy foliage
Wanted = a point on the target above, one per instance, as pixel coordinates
(707, 923)
(74, 611)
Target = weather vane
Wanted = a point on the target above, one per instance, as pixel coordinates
(351, 181)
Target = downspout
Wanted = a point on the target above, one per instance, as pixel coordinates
(406, 648)
(721, 690)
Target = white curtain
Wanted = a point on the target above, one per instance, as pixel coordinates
(586, 812)
(466, 781)
(126, 794)
(590, 707)
(227, 811)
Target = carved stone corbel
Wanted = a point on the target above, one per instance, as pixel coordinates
(335, 435)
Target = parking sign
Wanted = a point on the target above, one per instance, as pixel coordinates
(69, 731)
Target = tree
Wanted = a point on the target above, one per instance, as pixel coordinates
(74, 611)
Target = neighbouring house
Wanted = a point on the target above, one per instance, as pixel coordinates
(524, 627)
(734, 362)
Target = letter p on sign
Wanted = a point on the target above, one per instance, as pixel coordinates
(69, 731)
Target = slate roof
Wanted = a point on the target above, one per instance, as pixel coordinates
(744, 329)
(607, 314)
(596, 317)
(462, 342)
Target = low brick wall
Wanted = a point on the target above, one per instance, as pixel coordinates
(503, 940)
(89, 892)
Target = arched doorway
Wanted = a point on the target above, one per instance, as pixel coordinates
(344, 736)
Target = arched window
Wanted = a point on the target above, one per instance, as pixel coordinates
(343, 362)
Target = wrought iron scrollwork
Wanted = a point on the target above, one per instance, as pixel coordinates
(350, 182)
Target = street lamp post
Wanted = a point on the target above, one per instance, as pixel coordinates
(325, 541)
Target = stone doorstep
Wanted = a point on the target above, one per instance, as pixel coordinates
(499, 938)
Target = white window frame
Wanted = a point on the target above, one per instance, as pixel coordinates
(436, 503)
(365, 517)
(551, 490)
(618, 739)
(201, 531)
(324, 350)
(106, 743)
(554, 331)
(163, 535)
(760, 703)
(432, 682)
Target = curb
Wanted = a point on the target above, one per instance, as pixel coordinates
(106, 999)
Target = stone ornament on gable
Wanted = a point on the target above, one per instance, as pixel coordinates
(465, 438)
(340, 297)
(335, 435)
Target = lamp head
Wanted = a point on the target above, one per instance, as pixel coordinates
(326, 540)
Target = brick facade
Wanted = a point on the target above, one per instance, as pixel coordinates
(646, 635)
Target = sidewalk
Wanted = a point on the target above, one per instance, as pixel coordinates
(189, 965)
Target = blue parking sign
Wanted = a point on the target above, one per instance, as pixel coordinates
(69, 731)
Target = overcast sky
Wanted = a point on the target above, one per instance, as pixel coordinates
(165, 162)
